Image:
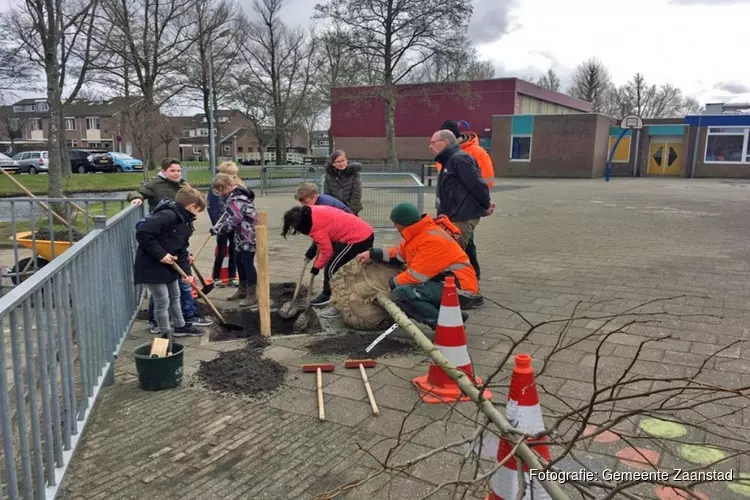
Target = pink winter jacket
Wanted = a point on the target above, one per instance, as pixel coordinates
(331, 225)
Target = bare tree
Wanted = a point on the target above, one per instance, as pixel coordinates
(56, 35)
(454, 63)
(339, 65)
(649, 101)
(147, 42)
(279, 68)
(16, 70)
(549, 80)
(12, 126)
(592, 83)
(255, 104)
(313, 109)
(616, 402)
(216, 34)
(396, 38)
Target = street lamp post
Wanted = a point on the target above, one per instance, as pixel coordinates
(211, 110)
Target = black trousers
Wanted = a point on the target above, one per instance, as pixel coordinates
(343, 253)
(222, 242)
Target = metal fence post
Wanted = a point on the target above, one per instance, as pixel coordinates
(100, 222)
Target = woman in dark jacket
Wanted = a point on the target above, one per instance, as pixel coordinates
(343, 182)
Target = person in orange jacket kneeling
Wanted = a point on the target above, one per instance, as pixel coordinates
(430, 254)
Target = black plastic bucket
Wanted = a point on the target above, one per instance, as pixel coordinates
(156, 374)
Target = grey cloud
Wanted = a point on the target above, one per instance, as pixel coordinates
(733, 87)
(491, 20)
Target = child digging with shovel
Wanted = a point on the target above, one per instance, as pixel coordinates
(163, 239)
(240, 219)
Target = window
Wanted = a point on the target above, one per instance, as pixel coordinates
(70, 124)
(223, 119)
(727, 145)
(203, 132)
(42, 106)
(35, 124)
(520, 147)
(92, 123)
(622, 153)
(227, 149)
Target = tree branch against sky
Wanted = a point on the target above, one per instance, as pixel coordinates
(56, 36)
(278, 67)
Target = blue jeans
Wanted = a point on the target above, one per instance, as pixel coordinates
(187, 303)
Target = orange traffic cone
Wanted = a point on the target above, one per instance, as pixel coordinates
(450, 339)
(224, 273)
(525, 414)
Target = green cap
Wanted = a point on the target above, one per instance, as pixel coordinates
(405, 214)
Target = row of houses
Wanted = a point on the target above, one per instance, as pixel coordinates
(106, 125)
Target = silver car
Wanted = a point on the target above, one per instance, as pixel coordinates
(8, 164)
(32, 162)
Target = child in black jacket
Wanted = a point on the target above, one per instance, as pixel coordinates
(163, 239)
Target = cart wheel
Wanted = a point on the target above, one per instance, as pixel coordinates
(28, 265)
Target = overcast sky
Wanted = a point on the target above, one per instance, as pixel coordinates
(697, 45)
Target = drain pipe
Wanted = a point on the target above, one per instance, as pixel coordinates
(695, 147)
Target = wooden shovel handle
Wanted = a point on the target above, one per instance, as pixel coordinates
(321, 408)
(370, 395)
(200, 292)
(299, 281)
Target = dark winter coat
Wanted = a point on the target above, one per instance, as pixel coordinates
(215, 207)
(461, 193)
(241, 218)
(166, 231)
(345, 185)
(157, 189)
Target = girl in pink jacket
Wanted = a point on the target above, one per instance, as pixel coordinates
(340, 236)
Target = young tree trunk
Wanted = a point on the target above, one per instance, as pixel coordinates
(54, 96)
(390, 128)
(330, 142)
(64, 153)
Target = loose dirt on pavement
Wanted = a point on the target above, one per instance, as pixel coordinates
(353, 345)
(243, 371)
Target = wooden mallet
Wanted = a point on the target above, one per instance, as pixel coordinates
(319, 369)
(362, 364)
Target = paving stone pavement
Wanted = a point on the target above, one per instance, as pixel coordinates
(552, 247)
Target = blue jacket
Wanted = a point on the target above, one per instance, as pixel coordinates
(215, 206)
(330, 201)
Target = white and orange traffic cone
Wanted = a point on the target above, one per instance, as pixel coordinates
(224, 273)
(525, 414)
(450, 339)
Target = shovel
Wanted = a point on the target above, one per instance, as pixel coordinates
(206, 287)
(303, 320)
(290, 309)
(230, 326)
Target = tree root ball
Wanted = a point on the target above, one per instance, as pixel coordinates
(353, 291)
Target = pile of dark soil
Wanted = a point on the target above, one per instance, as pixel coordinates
(250, 322)
(58, 235)
(243, 371)
(352, 345)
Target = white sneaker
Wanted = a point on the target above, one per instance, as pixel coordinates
(330, 312)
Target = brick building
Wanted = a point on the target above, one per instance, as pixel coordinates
(358, 114)
(579, 145)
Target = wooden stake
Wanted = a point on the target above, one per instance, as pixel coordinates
(263, 219)
(264, 285)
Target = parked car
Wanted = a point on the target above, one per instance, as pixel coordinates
(32, 162)
(8, 164)
(80, 161)
(117, 162)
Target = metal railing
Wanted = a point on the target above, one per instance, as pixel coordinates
(61, 330)
(38, 230)
(269, 177)
(381, 191)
